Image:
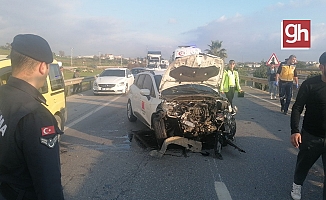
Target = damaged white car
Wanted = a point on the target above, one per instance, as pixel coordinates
(191, 112)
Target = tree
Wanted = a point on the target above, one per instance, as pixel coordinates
(61, 53)
(216, 49)
(301, 65)
(261, 72)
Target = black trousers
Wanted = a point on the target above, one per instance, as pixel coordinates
(76, 88)
(230, 94)
(311, 149)
(285, 93)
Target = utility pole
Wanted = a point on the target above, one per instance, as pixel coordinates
(99, 58)
(121, 60)
(71, 56)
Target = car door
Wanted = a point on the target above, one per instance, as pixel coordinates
(149, 104)
(135, 95)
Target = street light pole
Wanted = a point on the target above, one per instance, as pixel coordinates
(71, 56)
(99, 58)
(121, 60)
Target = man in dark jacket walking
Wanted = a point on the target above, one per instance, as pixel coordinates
(311, 141)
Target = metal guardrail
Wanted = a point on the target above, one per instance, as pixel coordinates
(85, 83)
(260, 83)
(251, 81)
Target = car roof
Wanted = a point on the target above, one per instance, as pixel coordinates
(121, 68)
(138, 68)
(150, 73)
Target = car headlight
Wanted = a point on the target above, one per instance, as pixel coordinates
(121, 84)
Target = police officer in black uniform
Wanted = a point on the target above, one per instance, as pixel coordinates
(29, 149)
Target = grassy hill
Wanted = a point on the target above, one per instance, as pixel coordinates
(4, 51)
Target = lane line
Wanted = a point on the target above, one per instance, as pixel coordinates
(222, 191)
(89, 114)
(276, 104)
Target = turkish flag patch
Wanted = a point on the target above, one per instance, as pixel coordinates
(48, 130)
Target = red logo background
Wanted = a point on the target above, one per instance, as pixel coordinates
(302, 28)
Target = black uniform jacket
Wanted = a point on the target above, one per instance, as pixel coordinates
(29, 149)
(312, 96)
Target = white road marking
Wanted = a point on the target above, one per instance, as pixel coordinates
(220, 188)
(222, 191)
(276, 104)
(89, 114)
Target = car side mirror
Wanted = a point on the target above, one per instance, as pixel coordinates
(146, 93)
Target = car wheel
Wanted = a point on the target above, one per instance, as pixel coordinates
(60, 125)
(159, 128)
(130, 115)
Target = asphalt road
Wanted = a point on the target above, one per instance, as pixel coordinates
(101, 158)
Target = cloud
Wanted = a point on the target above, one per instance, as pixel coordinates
(222, 18)
(254, 37)
(172, 21)
(245, 36)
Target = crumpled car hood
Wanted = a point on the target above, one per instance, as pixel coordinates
(183, 74)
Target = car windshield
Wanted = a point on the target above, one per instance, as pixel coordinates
(158, 79)
(136, 71)
(115, 72)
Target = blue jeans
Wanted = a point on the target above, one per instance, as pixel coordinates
(272, 88)
(285, 92)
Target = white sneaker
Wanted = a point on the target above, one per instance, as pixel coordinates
(271, 96)
(296, 192)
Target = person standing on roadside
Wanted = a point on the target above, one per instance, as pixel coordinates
(61, 70)
(76, 87)
(271, 76)
(285, 75)
(230, 82)
(29, 149)
(312, 138)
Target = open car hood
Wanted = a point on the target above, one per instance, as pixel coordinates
(203, 69)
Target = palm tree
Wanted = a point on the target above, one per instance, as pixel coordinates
(216, 49)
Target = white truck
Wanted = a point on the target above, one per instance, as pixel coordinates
(182, 51)
(154, 59)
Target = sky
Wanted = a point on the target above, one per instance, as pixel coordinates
(250, 30)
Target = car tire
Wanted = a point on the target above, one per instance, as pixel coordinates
(159, 128)
(130, 115)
